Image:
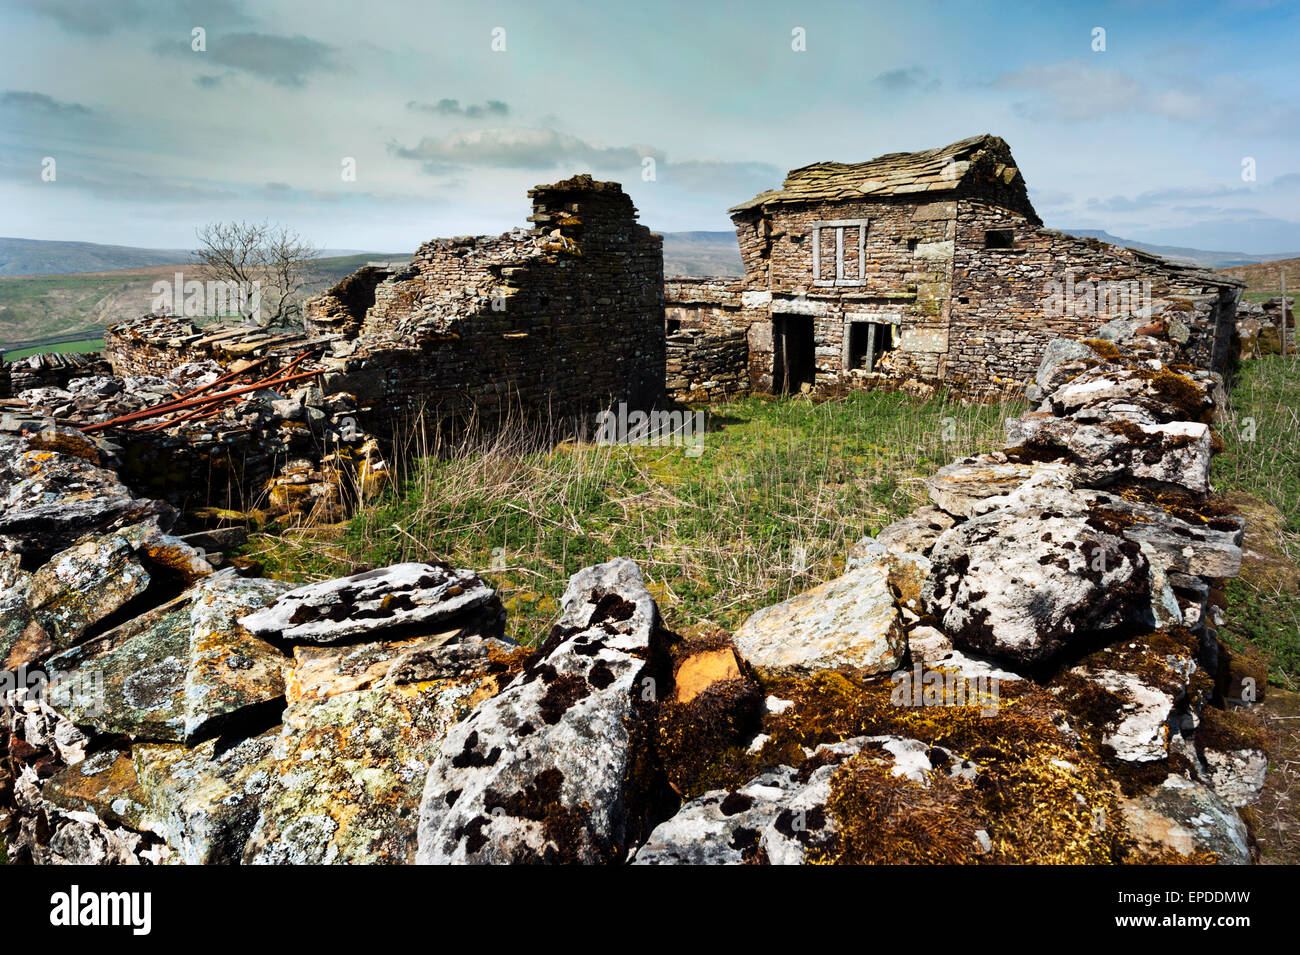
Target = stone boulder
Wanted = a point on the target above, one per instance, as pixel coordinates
(553, 768)
(1021, 583)
(850, 623)
(376, 600)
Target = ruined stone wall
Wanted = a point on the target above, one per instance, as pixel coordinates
(707, 338)
(48, 370)
(1003, 313)
(557, 321)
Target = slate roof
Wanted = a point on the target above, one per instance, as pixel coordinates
(930, 171)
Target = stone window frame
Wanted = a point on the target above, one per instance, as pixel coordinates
(839, 225)
(871, 318)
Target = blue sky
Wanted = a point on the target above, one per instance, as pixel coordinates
(152, 138)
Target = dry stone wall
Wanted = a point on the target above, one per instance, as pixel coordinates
(707, 339)
(1003, 311)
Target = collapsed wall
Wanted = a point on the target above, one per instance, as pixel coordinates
(558, 321)
(548, 325)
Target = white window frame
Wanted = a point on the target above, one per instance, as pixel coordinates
(839, 225)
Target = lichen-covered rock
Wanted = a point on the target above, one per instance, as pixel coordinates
(203, 800)
(1233, 752)
(964, 487)
(780, 817)
(50, 498)
(104, 784)
(1136, 697)
(549, 769)
(850, 622)
(348, 773)
(82, 585)
(1176, 453)
(15, 617)
(177, 671)
(396, 596)
(1020, 583)
(1181, 820)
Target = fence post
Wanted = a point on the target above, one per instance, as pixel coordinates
(1283, 335)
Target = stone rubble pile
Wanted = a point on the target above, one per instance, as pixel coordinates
(1025, 671)
(292, 450)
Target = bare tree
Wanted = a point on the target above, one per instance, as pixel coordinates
(267, 262)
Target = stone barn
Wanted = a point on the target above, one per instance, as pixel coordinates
(927, 267)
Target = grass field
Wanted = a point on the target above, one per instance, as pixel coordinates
(769, 509)
(1262, 459)
(63, 348)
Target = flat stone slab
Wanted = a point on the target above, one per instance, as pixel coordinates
(175, 671)
(850, 622)
(964, 487)
(375, 600)
(323, 671)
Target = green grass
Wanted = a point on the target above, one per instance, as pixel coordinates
(1262, 458)
(769, 509)
(63, 348)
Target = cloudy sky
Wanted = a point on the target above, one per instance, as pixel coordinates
(151, 137)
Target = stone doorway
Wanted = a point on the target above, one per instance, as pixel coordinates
(793, 354)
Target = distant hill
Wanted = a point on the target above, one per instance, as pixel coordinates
(1263, 276)
(38, 307)
(39, 257)
(44, 257)
(701, 253)
(1202, 257)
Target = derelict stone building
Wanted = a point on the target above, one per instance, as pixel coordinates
(561, 320)
(929, 266)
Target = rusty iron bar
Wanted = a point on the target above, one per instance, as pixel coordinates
(164, 407)
(201, 410)
(186, 401)
(206, 402)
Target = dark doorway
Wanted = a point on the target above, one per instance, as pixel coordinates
(793, 352)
